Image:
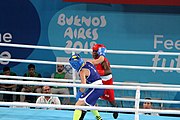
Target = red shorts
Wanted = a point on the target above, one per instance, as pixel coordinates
(108, 93)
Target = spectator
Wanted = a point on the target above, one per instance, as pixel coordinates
(47, 99)
(30, 88)
(8, 87)
(149, 105)
(60, 74)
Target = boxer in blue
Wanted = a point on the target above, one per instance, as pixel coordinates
(88, 75)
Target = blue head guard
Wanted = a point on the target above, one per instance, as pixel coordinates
(76, 62)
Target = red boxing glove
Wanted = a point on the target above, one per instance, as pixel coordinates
(101, 72)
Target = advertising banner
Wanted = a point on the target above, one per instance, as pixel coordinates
(80, 25)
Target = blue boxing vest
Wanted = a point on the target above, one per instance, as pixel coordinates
(94, 75)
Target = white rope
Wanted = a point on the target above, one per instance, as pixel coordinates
(143, 84)
(141, 52)
(66, 84)
(43, 47)
(70, 80)
(87, 50)
(35, 94)
(144, 67)
(159, 111)
(34, 61)
(73, 96)
(66, 63)
(87, 85)
(153, 101)
(136, 110)
(36, 78)
(21, 104)
(160, 101)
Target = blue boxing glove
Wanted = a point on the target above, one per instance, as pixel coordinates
(78, 95)
(102, 51)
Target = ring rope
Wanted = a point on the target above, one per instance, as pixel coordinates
(64, 80)
(153, 101)
(38, 79)
(137, 110)
(21, 104)
(87, 50)
(87, 85)
(144, 84)
(113, 66)
(57, 95)
(70, 80)
(35, 94)
(34, 61)
(43, 47)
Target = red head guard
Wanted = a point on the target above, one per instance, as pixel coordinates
(97, 46)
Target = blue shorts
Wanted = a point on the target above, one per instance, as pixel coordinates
(92, 95)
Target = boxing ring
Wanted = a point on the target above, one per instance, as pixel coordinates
(11, 110)
(38, 114)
